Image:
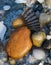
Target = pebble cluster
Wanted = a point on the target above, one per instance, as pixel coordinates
(13, 10)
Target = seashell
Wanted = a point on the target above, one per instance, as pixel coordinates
(38, 38)
(39, 54)
(7, 7)
(31, 20)
(18, 22)
(40, 1)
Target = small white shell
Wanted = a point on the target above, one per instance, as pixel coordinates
(39, 54)
(41, 1)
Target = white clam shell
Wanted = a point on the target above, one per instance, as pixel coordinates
(39, 54)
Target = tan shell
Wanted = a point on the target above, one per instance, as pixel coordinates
(18, 22)
(38, 38)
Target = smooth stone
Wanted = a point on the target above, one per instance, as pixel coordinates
(2, 30)
(20, 1)
(6, 7)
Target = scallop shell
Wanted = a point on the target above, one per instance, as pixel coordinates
(31, 20)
